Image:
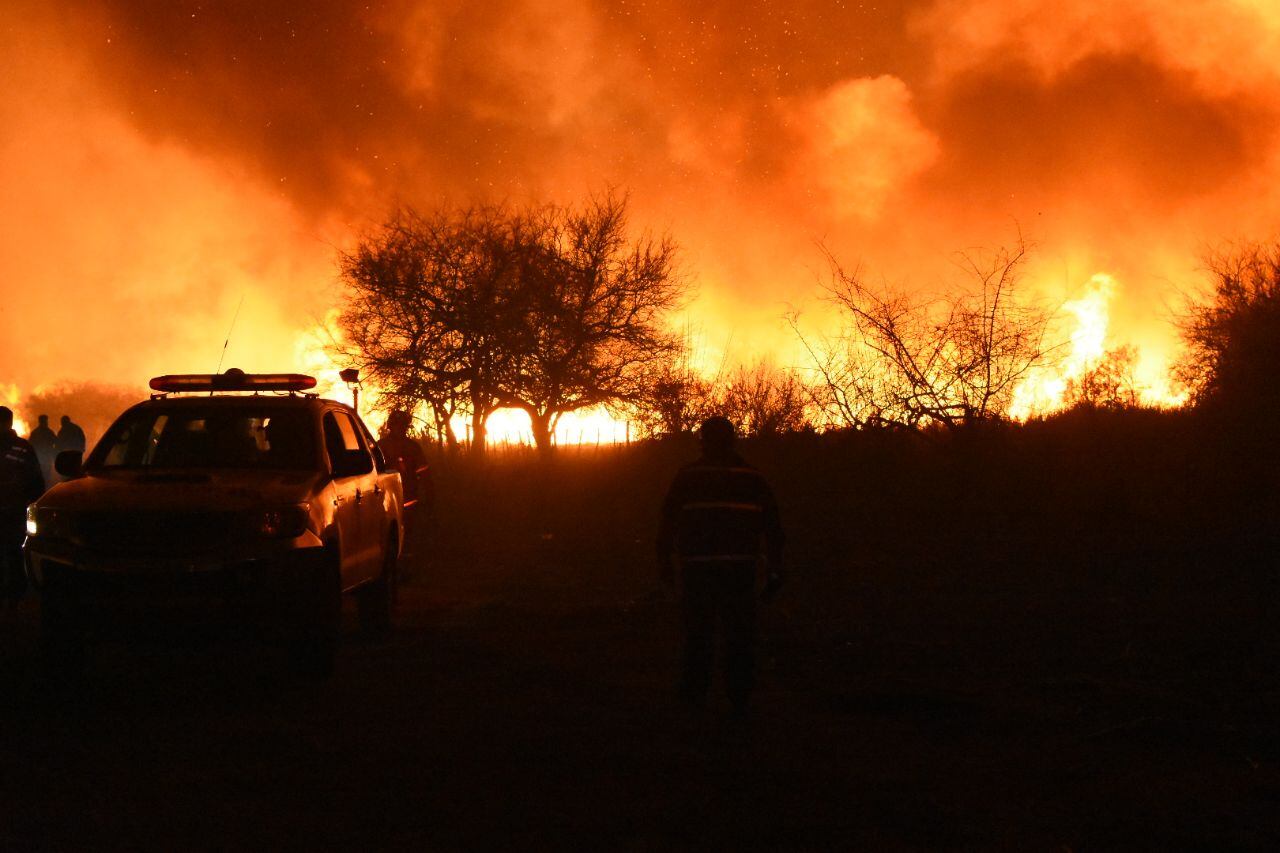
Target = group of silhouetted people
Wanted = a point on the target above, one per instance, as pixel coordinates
(26, 470)
(48, 444)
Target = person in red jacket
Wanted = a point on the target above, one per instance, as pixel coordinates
(719, 522)
(20, 483)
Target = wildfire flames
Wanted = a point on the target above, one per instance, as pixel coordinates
(1086, 345)
(162, 163)
(10, 396)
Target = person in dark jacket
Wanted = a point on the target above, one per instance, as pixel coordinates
(44, 441)
(20, 484)
(719, 520)
(70, 436)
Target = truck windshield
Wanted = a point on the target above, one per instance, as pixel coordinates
(240, 437)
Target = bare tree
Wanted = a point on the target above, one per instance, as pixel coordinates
(432, 308)
(848, 377)
(594, 305)
(952, 360)
(547, 309)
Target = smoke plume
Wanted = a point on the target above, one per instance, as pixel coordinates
(166, 163)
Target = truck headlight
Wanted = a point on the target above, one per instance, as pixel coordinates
(286, 522)
(48, 523)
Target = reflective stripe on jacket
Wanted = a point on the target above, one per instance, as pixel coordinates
(720, 510)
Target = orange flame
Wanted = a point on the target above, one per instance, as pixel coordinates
(10, 396)
(1045, 390)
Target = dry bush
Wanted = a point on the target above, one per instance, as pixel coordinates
(1233, 336)
(762, 399)
(1109, 384)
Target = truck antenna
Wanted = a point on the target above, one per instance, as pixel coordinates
(227, 342)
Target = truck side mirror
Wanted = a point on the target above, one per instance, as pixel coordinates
(69, 463)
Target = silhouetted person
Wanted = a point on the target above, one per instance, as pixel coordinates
(45, 443)
(70, 436)
(719, 518)
(405, 455)
(20, 484)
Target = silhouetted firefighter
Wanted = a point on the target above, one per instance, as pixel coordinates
(405, 455)
(719, 518)
(20, 484)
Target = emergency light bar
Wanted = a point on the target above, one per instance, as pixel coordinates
(233, 380)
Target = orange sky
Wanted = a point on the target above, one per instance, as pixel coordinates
(162, 159)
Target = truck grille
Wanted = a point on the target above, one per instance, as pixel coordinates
(154, 532)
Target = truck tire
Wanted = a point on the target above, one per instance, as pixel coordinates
(376, 600)
(62, 632)
(313, 644)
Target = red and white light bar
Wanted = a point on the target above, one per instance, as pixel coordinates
(232, 380)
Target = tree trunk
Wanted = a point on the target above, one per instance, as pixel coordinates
(445, 433)
(541, 426)
(479, 432)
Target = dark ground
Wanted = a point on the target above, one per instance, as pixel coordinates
(916, 691)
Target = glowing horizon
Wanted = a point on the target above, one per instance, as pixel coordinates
(163, 168)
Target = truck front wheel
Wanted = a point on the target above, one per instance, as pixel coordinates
(313, 641)
(376, 600)
(62, 630)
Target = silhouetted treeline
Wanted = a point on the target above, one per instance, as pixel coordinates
(551, 309)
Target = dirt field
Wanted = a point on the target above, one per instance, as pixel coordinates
(526, 703)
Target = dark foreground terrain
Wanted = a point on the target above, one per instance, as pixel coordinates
(961, 698)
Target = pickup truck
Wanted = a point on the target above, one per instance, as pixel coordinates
(235, 494)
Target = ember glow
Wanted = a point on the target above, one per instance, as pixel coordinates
(314, 354)
(589, 426)
(163, 161)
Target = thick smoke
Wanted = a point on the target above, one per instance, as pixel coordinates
(162, 160)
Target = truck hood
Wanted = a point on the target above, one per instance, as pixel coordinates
(182, 490)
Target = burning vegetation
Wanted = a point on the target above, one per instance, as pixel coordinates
(503, 322)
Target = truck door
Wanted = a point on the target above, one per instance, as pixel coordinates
(350, 466)
(372, 502)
